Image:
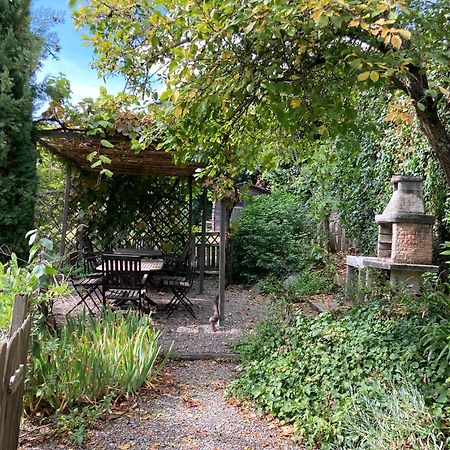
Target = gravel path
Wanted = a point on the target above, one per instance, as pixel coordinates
(186, 408)
(192, 415)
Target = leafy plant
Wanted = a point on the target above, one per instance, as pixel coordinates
(313, 371)
(89, 359)
(270, 285)
(274, 235)
(309, 282)
(77, 421)
(37, 278)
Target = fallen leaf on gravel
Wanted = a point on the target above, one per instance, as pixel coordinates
(286, 430)
(218, 385)
(126, 446)
(191, 403)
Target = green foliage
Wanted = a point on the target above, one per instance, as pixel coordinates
(19, 51)
(270, 285)
(315, 370)
(367, 160)
(89, 359)
(237, 105)
(111, 207)
(273, 235)
(309, 282)
(77, 422)
(50, 172)
(392, 417)
(37, 279)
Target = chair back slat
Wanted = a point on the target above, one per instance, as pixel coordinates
(121, 271)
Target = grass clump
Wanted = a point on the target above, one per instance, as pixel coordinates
(314, 372)
(309, 283)
(392, 417)
(88, 361)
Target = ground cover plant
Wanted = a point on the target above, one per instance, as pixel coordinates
(316, 372)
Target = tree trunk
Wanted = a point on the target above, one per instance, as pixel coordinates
(438, 137)
(416, 86)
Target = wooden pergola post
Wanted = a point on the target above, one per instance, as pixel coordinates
(222, 260)
(190, 211)
(64, 220)
(201, 254)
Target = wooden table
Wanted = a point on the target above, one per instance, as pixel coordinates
(147, 265)
(144, 252)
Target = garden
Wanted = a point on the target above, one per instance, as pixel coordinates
(245, 246)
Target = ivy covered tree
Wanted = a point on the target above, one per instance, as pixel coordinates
(19, 51)
(248, 79)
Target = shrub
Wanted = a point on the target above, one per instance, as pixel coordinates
(89, 360)
(270, 285)
(312, 371)
(273, 235)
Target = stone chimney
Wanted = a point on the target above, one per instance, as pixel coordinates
(405, 231)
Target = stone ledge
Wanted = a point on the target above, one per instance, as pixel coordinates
(363, 262)
(404, 218)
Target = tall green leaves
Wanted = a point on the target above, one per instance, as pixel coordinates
(18, 58)
(90, 359)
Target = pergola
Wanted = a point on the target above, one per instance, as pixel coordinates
(73, 147)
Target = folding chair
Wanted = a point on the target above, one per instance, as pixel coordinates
(89, 286)
(123, 281)
(180, 283)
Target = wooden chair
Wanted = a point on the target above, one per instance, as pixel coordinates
(176, 262)
(122, 280)
(181, 283)
(89, 286)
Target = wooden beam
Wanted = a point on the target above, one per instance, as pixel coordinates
(222, 260)
(190, 211)
(66, 209)
(201, 254)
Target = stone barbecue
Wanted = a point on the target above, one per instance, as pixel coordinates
(405, 238)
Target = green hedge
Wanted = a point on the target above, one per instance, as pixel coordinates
(274, 235)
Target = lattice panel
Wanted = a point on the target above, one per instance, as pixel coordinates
(154, 216)
(48, 218)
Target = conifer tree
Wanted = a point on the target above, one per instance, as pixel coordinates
(19, 52)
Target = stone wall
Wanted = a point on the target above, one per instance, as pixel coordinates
(412, 243)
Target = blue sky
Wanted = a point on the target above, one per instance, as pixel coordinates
(74, 58)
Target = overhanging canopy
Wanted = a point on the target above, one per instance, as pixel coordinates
(75, 146)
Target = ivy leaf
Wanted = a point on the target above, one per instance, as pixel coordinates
(96, 164)
(91, 156)
(105, 124)
(106, 172)
(104, 159)
(364, 76)
(46, 243)
(396, 41)
(374, 76)
(178, 111)
(106, 143)
(421, 106)
(405, 34)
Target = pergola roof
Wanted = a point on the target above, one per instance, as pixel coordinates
(74, 146)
